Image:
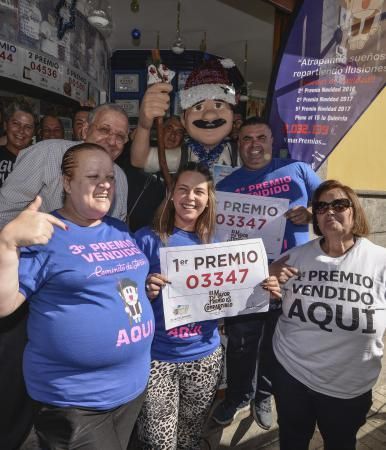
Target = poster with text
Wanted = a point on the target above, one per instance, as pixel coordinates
(212, 281)
(242, 216)
(332, 67)
(42, 71)
(9, 59)
(75, 85)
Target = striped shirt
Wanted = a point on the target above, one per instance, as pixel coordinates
(37, 171)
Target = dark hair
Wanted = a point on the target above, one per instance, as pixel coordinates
(164, 218)
(69, 161)
(126, 282)
(19, 105)
(81, 109)
(255, 120)
(361, 226)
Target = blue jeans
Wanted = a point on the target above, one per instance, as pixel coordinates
(247, 361)
(299, 409)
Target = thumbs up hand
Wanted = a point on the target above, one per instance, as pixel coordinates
(30, 227)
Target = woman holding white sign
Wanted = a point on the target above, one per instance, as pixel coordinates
(328, 341)
(187, 360)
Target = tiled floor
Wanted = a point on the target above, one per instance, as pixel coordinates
(246, 435)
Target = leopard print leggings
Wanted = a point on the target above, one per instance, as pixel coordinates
(177, 402)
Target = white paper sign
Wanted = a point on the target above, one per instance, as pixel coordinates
(42, 71)
(220, 171)
(213, 280)
(9, 59)
(242, 216)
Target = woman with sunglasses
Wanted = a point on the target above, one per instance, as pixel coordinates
(187, 360)
(328, 341)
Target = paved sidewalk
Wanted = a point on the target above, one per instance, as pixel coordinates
(245, 434)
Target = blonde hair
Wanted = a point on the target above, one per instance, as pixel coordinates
(164, 219)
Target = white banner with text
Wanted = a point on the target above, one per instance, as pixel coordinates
(243, 216)
(213, 280)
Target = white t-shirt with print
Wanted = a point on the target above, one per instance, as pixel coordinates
(329, 336)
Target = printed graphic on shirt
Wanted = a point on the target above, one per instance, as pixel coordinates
(334, 299)
(269, 188)
(128, 291)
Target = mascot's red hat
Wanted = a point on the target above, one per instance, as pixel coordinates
(209, 81)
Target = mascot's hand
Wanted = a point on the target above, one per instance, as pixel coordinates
(154, 104)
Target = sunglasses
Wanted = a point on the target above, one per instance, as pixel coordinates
(339, 205)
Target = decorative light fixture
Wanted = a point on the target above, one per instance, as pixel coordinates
(178, 47)
(244, 87)
(99, 13)
(203, 43)
(134, 6)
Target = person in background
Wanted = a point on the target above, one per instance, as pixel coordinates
(38, 172)
(148, 188)
(107, 126)
(51, 127)
(187, 360)
(19, 126)
(173, 133)
(237, 122)
(79, 120)
(87, 358)
(328, 342)
(261, 174)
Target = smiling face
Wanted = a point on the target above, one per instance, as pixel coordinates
(20, 129)
(173, 133)
(255, 146)
(109, 129)
(190, 198)
(51, 128)
(208, 122)
(80, 120)
(90, 189)
(334, 224)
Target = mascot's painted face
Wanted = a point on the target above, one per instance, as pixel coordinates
(208, 122)
(130, 294)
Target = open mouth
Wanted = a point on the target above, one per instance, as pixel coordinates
(186, 206)
(206, 125)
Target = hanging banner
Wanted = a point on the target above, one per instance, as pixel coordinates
(332, 67)
(242, 216)
(214, 280)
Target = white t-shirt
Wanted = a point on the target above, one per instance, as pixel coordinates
(329, 336)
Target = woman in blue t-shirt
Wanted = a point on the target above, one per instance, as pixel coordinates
(90, 324)
(187, 360)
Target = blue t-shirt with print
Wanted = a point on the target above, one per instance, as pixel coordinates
(187, 342)
(90, 323)
(281, 178)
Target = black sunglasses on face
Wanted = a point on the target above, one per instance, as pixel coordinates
(339, 205)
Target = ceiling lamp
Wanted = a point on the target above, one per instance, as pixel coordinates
(178, 47)
(244, 88)
(134, 6)
(99, 13)
(203, 43)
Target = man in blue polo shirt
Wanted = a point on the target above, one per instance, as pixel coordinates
(269, 177)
